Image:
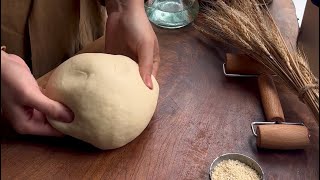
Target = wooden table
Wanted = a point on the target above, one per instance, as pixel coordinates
(200, 115)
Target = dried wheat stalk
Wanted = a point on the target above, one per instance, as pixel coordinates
(246, 26)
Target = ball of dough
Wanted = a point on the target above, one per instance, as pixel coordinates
(111, 103)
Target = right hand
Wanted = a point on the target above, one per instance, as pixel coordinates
(22, 102)
(129, 33)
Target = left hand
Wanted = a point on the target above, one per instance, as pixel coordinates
(22, 102)
(129, 33)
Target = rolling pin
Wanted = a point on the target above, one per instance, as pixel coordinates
(275, 134)
(243, 65)
(282, 136)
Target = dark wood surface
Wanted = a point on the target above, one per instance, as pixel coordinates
(200, 115)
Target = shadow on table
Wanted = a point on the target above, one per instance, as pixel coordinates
(10, 137)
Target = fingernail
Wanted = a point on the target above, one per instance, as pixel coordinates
(149, 82)
(68, 115)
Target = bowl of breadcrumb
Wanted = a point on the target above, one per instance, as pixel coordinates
(235, 166)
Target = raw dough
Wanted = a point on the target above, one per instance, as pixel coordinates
(112, 105)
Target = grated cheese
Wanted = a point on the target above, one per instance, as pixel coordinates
(234, 170)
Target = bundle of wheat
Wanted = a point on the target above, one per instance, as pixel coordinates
(250, 28)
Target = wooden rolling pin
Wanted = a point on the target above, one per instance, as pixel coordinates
(282, 136)
(244, 65)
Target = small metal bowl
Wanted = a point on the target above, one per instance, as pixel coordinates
(240, 157)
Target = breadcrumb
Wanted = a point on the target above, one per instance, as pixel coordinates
(234, 170)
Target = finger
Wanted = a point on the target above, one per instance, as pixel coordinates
(34, 124)
(156, 59)
(155, 68)
(18, 60)
(53, 109)
(39, 125)
(145, 56)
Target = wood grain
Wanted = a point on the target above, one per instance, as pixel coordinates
(200, 115)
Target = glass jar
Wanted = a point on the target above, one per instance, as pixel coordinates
(172, 14)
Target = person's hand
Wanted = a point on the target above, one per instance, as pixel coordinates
(23, 103)
(129, 33)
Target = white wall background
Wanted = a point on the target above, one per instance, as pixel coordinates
(300, 6)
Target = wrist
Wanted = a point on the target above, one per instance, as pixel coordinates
(119, 6)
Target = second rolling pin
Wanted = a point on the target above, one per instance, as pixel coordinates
(244, 65)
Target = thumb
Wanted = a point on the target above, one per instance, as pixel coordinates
(50, 108)
(145, 56)
(33, 122)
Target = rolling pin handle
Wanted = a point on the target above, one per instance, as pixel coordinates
(270, 99)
